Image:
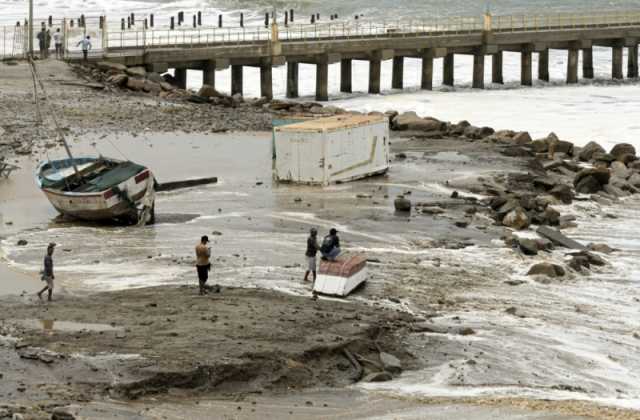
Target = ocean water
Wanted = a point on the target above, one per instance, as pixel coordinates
(575, 340)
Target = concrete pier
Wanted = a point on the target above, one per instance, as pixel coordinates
(236, 79)
(181, 78)
(266, 81)
(543, 65)
(426, 82)
(209, 73)
(496, 68)
(375, 67)
(447, 69)
(616, 62)
(572, 66)
(346, 69)
(587, 63)
(525, 67)
(478, 71)
(376, 43)
(292, 79)
(397, 76)
(632, 62)
(322, 80)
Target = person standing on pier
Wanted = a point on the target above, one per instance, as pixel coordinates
(86, 46)
(42, 43)
(203, 265)
(312, 251)
(57, 40)
(47, 43)
(47, 273)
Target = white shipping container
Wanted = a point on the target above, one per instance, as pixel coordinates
(333, 149)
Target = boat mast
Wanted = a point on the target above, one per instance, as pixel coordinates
(30, 28)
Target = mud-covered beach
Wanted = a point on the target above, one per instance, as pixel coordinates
(471, 332)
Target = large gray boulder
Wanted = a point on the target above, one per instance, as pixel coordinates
(546, 269)
(522, 138)
(208, 91)
(135, 83)
(591, 180)
(402, 204)
(620, 170)
(137, 71)
(587, 152)
(111, 67)
(622, 149)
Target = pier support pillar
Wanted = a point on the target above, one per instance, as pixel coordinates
(209, 74)
(496, 68)
(266, 81)
(292, 79)
(322, 81)
(543, 65)
(572, 66)
(632, 63)
(236, 79)
(447, 69)
(345, 75)
(478, 71)
(587, 63)
(374, 75)
(397, 77)
(181, 78)
(525, 68)
(616, 63)
(427, 70)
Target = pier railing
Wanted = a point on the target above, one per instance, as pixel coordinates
(13, 39)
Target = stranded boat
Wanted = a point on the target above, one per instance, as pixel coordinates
(99, 189)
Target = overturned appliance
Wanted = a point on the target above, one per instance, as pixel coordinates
(99, 189)
(331, 150)
(341, 277)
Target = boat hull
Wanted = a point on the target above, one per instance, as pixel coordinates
(130, 200)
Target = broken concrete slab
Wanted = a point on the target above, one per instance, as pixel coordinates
(559, 238)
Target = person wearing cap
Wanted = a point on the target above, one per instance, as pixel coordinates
(47, 272)
(330, 248)
(312, 251)
(203, 265)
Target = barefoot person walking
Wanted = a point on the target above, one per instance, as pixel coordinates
(47, 272)
(203, 266)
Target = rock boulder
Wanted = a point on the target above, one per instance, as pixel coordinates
(546, 269)
(586, 153)
(516, 219)
(622, 149)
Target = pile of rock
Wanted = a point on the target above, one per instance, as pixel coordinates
(165, 86)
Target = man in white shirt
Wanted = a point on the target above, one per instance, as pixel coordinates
(57, 40)
(86, 46)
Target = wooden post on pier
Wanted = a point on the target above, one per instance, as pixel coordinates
(292, 79)
(375, 66)
(572, 65)
(616, 62)
(426, 81)
(397, 76)
(478, 70)
(322, 80)
(587, 63)
(525, 67)
(236, 79)
(447, 70)
(181, 78)
(496, 68)
(346, 69)
(209, 73)
(632, 62)
(543, 65)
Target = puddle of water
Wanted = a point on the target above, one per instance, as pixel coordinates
(50, 325)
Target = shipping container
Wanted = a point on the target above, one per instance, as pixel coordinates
(333, 149)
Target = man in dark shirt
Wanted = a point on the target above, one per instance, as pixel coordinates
(330, 248)
(47, 272)
(42, 43)
(312, 251)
